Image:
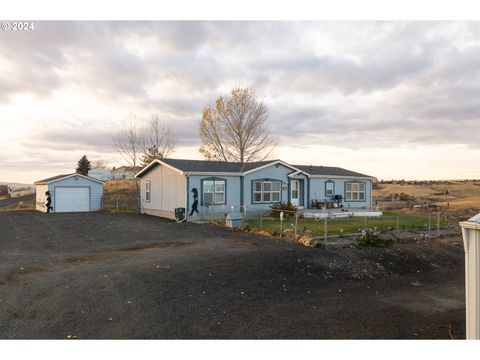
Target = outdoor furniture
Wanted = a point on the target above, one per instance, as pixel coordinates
(338, 199)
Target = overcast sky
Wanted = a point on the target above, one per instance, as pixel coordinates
(390, 99)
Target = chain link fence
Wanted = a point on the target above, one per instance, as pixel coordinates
(334, 227)
(120, 202)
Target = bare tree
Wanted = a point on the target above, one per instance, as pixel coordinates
(158, 141)
(128, 143)
(235, 129)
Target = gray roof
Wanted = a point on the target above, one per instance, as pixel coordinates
(58, 177)
(236, 167)
(328, 171)
(213, 166)
(50, 179)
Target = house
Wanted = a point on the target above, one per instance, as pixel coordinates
(21, 191)
(70, 193)
(102, 174)
(4, 190)
(124, 172)
(252, 187)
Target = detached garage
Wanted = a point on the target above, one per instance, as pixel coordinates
(70, 193)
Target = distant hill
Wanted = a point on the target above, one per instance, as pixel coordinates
(16, 185)
(456, 195)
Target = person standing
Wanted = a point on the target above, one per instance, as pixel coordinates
(195, 201)
(49, 202)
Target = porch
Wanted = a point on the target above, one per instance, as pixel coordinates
(338, 213)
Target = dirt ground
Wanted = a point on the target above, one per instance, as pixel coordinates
(116, 276)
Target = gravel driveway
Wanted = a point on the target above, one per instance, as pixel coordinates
(101, 275)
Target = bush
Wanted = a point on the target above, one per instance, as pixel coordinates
(370, 238)
(278, 207)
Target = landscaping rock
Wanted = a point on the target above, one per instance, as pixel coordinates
(306, 240)
(288, 234)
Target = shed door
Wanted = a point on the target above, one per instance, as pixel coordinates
(72, 199)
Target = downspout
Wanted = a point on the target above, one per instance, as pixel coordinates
(242, 209)
(307, 206)
(371, 194)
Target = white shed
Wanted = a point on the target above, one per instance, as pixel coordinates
(70, 193)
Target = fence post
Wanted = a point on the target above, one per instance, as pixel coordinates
(326, 230)
(398, 223)
(261, 224)
(281, 224)
(429, 223)
(296, 223)
(438, 224)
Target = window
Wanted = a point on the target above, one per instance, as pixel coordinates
(354, 191)
(213, 192)
(329, 188)
(267, 191)
(148, 190)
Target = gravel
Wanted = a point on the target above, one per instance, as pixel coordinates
(119, 276)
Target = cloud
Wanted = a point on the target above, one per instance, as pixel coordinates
(355, 85)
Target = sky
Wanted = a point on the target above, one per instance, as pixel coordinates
(389, 99)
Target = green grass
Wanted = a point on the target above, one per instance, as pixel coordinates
(348, 225)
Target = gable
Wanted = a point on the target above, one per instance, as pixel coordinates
(275, 170)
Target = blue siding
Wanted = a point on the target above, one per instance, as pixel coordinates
(96, 190)
(233, 190)
(311, 189)
(317, 191)
(274, 172)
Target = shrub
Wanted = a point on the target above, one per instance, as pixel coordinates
(278, 207)
(370, 238)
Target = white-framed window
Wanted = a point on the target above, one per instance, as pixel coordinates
(148, 190)
(266, 191)
(329, 188)
(355, 191)
(213, 192)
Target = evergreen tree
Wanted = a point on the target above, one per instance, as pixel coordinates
(83, 166)
(151, 154)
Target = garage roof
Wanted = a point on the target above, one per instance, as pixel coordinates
(61, 177)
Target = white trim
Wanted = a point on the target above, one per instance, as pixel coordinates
(66, 177)
(149, 183)
(274, 163)
(340, 177)
(200, 173)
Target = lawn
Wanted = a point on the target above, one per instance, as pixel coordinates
(350, 225)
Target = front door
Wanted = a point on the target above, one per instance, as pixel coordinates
(295, 192)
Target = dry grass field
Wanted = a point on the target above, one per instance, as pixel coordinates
(120, 187)
(461, 196)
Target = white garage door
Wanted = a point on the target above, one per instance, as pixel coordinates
(72, 199)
